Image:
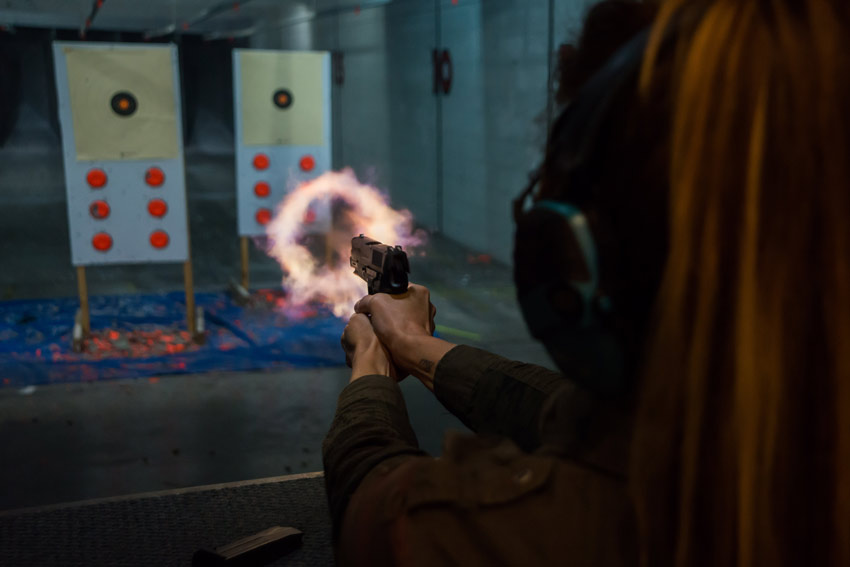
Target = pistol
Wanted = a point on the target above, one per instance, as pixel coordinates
(384, 268)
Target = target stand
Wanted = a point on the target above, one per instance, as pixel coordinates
(282, 112)
(119, 109)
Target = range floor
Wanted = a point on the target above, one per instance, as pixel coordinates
(90, 440)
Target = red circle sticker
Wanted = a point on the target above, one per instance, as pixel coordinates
(154, 177)
(159, 239)
(101, 241)
(262, 189)
(99, 209)
(96, 178)
(157, 207)
(261, 161)
(307, 163)
(264, 216)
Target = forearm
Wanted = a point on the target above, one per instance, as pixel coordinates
(370, 426)
(370, 360)
(420, 355)
(494, 395)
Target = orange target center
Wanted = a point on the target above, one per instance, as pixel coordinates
(123, 104)
(282, 99)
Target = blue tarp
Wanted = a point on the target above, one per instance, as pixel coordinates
(145, 335)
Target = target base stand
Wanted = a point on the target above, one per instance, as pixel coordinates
(82, 318)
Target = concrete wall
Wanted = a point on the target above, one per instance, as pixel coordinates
(494, 120)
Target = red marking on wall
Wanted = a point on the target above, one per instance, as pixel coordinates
(478, 259)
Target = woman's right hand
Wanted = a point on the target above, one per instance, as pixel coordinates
(399, 318)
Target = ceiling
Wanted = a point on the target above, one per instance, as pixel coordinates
(163, 16)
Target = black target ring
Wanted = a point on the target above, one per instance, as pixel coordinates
(282, 98)
(124, 103)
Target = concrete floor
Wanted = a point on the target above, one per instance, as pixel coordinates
(70, 442)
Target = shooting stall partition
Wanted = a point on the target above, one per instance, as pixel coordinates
(282, 113)
(120, 113)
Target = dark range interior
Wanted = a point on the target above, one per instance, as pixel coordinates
(454, 158)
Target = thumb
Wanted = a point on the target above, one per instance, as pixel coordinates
(364, 305)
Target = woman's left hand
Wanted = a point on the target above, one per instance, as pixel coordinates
(364, 353)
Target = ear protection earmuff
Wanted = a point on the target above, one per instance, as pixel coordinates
(556, 260)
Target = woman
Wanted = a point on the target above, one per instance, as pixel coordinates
(740, 445)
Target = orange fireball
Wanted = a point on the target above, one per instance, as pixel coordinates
(358, 209)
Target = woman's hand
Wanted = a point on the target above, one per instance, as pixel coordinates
(405, 326)
(364, 353)
(398, 318)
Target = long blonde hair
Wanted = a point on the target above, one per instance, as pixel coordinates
(742, 447)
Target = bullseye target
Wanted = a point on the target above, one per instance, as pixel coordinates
(124, 104)
(119, 108)
(283, 130)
